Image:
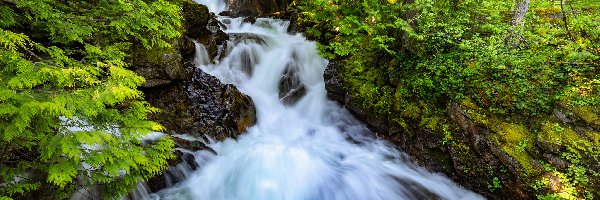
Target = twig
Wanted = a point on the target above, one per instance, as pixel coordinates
(565, 18)
(34, 55)
(575, 63)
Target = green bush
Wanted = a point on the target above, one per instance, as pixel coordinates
(63, 65)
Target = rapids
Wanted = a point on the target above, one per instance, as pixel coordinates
(308, 149)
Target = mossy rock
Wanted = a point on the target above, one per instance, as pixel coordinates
(196, 18)
(589, 114)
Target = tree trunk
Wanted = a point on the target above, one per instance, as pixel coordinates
(520, 11)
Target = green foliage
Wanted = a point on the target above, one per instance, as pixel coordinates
(449, 50)
(70, 113)
(406, 60)
(494, 184)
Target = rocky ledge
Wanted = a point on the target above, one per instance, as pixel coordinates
(495, 157)
(192, 101)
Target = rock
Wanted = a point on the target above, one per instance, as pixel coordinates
(187, 48)
(461, 118)
(196, 18)
(291, 88)
(247, 37)
(150, 83)
(556, 161)
(159, 66)
(242, 113)
(202, 106)
(225, 13)
(333, 83)
(213, 41)
(250, 20)
(561, 116)
(241, 8)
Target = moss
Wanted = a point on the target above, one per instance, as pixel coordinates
(514, 140)
(555, 134)
(154, 56)
(196, 18)
(588, 114)
(594, 136)
(431, 123)
(468, 104)
(412, 111)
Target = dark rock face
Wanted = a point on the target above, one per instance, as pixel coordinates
(479, 152)
(291, 89)
(158, 66)
(238, 8)
(192, 102)
(250, 20)
(196, 17)
(247, 37)
(202, 106)
(428, 151)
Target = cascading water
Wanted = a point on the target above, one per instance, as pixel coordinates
(308, 148)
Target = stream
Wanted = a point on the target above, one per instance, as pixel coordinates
(303, 146)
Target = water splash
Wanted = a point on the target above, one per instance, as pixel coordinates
(215, 6)
(311, 149)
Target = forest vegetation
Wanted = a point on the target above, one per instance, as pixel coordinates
(511, 65)
(71, 115)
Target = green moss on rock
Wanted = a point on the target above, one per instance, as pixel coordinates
(196, 17)
(589, 114)
(515, 139)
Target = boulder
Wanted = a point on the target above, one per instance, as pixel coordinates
(291, 88)
(196, 17)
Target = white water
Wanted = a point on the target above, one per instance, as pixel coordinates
(215, 6)
(311, 150)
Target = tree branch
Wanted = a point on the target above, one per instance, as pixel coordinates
(34, 55)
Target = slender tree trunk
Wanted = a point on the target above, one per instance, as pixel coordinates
(514, 39)
(564, 17)
(520, 11)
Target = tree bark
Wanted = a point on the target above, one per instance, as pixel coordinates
(520, 11)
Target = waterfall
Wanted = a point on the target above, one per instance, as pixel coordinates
(306, 148)
(215, 6)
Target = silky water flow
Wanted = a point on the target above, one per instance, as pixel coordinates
(304, 146)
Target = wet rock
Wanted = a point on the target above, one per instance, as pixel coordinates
(247, 37)
(202, 106)
(150, 83)
(250, 20)
(213, 41)
(461, 118)
(187, 48)
(175, 173)
(556, 161)
(225, 13)
(159, 66)
(196, 18)
(333, 83)
(291, 88)
(214, 25)
(240, 8)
